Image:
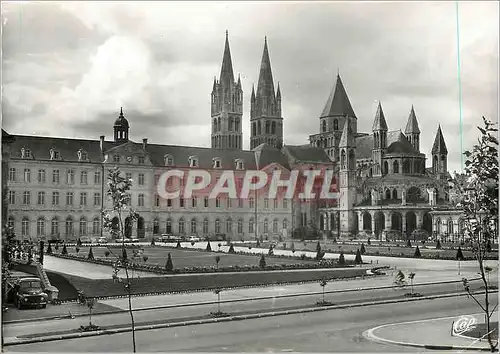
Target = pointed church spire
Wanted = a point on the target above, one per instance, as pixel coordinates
(121, 111)
(338, 103)
(278, 92)
(379, 123)
(347, 138)
(439, 146)
(253, 92)
(239, 80)
(215, 84)
(412, 124)
(265, 86)
(226, 72)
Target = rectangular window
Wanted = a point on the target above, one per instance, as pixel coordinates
(128, 176)
(140, 200)
(228, 202)
(157, 200)
(116, 158)
(83, 198)
(141, 160)
(250, 226)
(70, 176)
(169, 202)
(69, 198)
(141, 179)
(285, 203)
(251, 202)
(55, 198)
(27, 175)
(275, 203)
(205, 201)
(97, 177)
(97, 199)
(181, 202)
(266, 203)
(55, 176)
(41, 176)
(12, 174)
(217, 202)
(27, 198)
(240, 203)
(193, 202)
(12, 197)
(41, 198)
(83, 177)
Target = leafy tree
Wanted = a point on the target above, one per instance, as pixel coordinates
(320, 254)
(477, 197)
(271, 251)
(56, 247)
(49, 249)
(438, 245)
(209, 248)
(358, 259)
(417, 253)
(91, 254)
(118, 193)
(408, 243)
(341, 258)
(262, 262)
(362, 250)
(169, 266)
(399, 279)
(64, 250)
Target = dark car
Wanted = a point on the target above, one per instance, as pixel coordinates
(29, 293)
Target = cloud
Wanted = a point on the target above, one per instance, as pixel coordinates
(69, 66)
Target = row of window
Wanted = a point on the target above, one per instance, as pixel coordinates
(218, 202)
(55, 198)
(57, 226)
(56, 176)
(219, 226)
(53, 154)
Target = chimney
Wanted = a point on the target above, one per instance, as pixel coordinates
(102, 143)
(144, 143)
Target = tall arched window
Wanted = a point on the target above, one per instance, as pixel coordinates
(285, 224)
(96, 226)
(266, 226)
(259, 128)
(217, 226)
(83, 226)
(156, 227)
(394, 193)
(205, 226)
(254, 129)
(268, 127)
(323, 126)
(342, 159)
(69, 226)
(450, 227)
(240, 226)
(395, 166)
(229, 226)
(25, 227)
(250, 226)
(406, 166)
(168, 228)
(54, 226)
(181, 225)
(387, 194)
(40, 226)
(352, 160)
(193, 226)
(335, 124)
(386, 168)
(275, 226)
(273, 128)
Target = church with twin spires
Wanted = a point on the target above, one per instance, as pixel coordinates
(56, 185)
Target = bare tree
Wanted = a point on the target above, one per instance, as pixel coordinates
(477, 197)
(118, 194)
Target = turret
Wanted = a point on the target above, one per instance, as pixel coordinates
(379, 129)
(439, 155)
(347, 179)
(412, 130)
(121, 128)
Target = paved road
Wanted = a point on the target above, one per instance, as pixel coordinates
(326, 331)
(272, 304)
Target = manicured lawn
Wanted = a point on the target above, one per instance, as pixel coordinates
(186, 258)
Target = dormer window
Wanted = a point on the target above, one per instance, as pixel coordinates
(141, 160)
(169, 160)
(216, 162)
(25, 153)
(116, 158)
(193, 161)
(239, 164)
(82, 155)
(54, 154)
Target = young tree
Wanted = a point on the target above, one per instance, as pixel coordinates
(153, 241)
(262, 262)
(118, 192)
(293, 247)
(411, 276)
(417, 253)
(408, 243)
(477, 197)
(178, 244)
(217, 260)
(271, 251)
(318, 247)
(369, 242)
(106, 253)
(169, 266)
(459, 257)
(341, 258)
(323, 283)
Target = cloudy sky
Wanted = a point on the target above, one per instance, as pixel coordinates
(69, 66)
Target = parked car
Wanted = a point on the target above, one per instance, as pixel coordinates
(133, 239)
(85, 239)
(102, 240)
(29, 293)
(194, 239)
(170, 238)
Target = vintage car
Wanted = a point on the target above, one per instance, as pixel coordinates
(28, 292)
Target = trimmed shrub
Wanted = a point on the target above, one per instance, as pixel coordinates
(258, 243)
(438, 245)
(91, 254)
(358, 259)
(417, 253)
(153, 241)
(178, 244)
(124, 254)
(408, 243)
(271, 251)
(64, 250)
(369, 242)
(107, 253)
(77, 249)
(262, 262)
(341, 258)
(169, 266)
(231, 249)
(460, 255)
(49, 249)
(318, 247)
(362, 250)
(209, 247)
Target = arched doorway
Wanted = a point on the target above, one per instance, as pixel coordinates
(379, 224)
(128, 227)
(397, 221)
(367, 221)
(141, 232)
(411, 223)
(427, 223)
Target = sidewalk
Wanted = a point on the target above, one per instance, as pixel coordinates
(430, 334)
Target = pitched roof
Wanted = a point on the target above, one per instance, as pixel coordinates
(226, 72)
(401, 145)
(306, 154)
(121, 121)
(338, 103)
(347, 139)
(379, 122)
(439, 146)
(265, 87)
(412, 124)
(266, 154)
(364, 144)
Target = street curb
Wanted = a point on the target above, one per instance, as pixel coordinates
(61, 317)
(371, 336)
(221, 319)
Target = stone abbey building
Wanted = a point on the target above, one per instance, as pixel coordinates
(55, 187)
